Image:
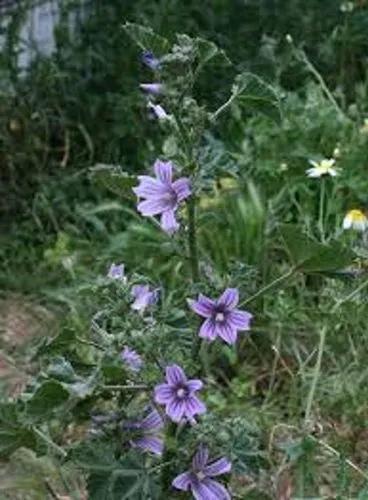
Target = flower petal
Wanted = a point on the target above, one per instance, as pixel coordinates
(313, 172)
(176, 409)
(153, 206)
(182, 188)
(218, 491)
(175, 375)
(152, 88)
(158, 111)
(220, 466)
(227, 332)
(149, 187)
(183, 481)
(240, 319)
(203, 306)
(229, 299)
(163, 171)
(200, 458)
(202, 492)
(208, 329)
(163, 394)
(153, 421)
(194, 406)
(149, 443)
(168, 222)
(194, 385)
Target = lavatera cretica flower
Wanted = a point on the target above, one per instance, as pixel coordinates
(116, 272)
(222, 319)
(179, 397)
(162, 195)
(131, 359)
(199, 479)
(144, 297)
(147, 432)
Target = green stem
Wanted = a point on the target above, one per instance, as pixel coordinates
(167, 459)
(350, 296)
(50, 442)
(317, 370)
(192, 239)
(222, 108)
(138, 387)
(302, 56)
(271, 285)
(322, 197)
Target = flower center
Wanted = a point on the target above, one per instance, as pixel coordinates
(182, 392)
(357, 216)
(170, 198)
(220, 316)
(200, 475)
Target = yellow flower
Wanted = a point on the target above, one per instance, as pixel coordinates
(355, 219)
(324, 167)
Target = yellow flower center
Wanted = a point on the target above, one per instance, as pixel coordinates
(325, 166)
(357, 216)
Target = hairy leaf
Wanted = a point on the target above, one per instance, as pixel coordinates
(146, 38)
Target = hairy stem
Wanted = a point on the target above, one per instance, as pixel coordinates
(167, 458)
(321, 217)
(50, 442)
(192, 239)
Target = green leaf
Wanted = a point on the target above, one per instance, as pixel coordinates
(146, 38)
(299, 448)
(58, 344)
(61, 369)
(13, 434)
(112, 177)
(206, 51)
(109, 478)
(254, 94)
(47, 398)
(312, 257)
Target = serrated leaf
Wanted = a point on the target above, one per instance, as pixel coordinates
(312, 257)
(58, 344)
(47, 398)
(254, 94)
(206, 51)
(114, 178)
(146, 38)
(13, 434)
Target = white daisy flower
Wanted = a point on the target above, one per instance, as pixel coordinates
(355, 219)
(364, 127)
(324, 167)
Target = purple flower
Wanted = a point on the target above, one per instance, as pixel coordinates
(158, 111)
(222, 317)
(199, 478)
(162, 195)
(150, 60)
(148, 433)
(132, 359)
(144, 297)
(116, 272)
(178, 395)
(152, 88)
